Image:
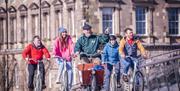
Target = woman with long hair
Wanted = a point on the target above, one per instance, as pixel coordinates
(63, 47)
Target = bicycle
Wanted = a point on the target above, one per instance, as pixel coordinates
(113, 80)
(136, 77)
(64, 85)
(37, 77)
(93, 80)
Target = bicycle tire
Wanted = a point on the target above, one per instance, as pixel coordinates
(138, 82)
(38, 83)
(66, 87)
(113, 83)
(93, 83)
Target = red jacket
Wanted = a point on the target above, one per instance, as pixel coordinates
(34, 53)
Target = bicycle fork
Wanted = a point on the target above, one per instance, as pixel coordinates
(134, 72)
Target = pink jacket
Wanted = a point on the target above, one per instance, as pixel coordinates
(65, 53)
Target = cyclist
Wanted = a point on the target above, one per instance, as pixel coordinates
(31, 54)
(110, 57)
(129, 46)
(89, 44)
(64, 48)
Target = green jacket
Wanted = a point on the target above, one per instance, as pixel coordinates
(90, 44)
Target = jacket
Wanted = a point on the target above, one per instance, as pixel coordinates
(90, 44)
(131, 50)
(35, 53)
(66, 52)
(110, 54)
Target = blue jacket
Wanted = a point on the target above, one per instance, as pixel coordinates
(110, 54)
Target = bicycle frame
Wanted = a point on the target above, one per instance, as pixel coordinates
(135, 73)
(38, 78)
(113, 80)
(135, 61)
(64, 70)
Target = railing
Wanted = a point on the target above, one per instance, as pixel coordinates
(162, 72)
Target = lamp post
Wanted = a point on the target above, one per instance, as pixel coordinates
(40, 20)
(6, 88)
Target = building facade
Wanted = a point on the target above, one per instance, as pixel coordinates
(157, 22)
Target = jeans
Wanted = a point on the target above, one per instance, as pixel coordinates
(127, 63)
(69, 70)
(31, 70)
(107, 75)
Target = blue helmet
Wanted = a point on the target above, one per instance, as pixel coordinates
(62, 29)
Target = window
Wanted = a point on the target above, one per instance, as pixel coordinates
(58, 21)
(45, 31)
(12, 29)
(35, 25)
(173, 21)
(71, 21)
(1, 30)
(107, 18)
(23, 27)
(141, 20)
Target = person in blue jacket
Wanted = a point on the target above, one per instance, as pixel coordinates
(110, 58)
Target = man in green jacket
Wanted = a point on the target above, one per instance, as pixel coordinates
(89, 43)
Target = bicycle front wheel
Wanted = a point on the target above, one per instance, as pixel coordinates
(66, 86)
(138, 82)
(113, 83)
(38, 84)
(93, 83)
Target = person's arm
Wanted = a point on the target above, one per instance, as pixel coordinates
(46, 53)
(121, 48)
(55, 46)
(71, 46)
(26, 52)
(78, 46)
(103, 38)
(141, 48)
(105, 54)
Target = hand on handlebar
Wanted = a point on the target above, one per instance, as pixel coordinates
(75, 54)
(123, 56)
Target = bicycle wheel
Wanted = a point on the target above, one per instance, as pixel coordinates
(38, 83)
(138, 82)
(66, 87)
(113, 83)
(93, 83)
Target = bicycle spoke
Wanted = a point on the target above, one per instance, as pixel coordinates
(138, 84)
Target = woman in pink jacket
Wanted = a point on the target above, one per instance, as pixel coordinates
(64, 48)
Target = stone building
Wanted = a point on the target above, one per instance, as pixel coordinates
(157, 22)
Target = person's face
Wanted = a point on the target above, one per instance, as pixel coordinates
(129, 34)
(37, 42)
(64, 34)
(87, 32)
(112, 41)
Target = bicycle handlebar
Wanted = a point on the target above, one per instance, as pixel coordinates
(90, 55)
(35, 60)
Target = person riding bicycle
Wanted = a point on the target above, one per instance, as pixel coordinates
(129, 46)
(32, 53)
(63, 47)
(89, 43)
(111, 58)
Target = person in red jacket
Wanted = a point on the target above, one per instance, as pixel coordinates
(31, 54)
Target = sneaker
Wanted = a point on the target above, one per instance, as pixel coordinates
(43, 86)
(30, 89)
(118, 84)
(125, 78)
(58, 82)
